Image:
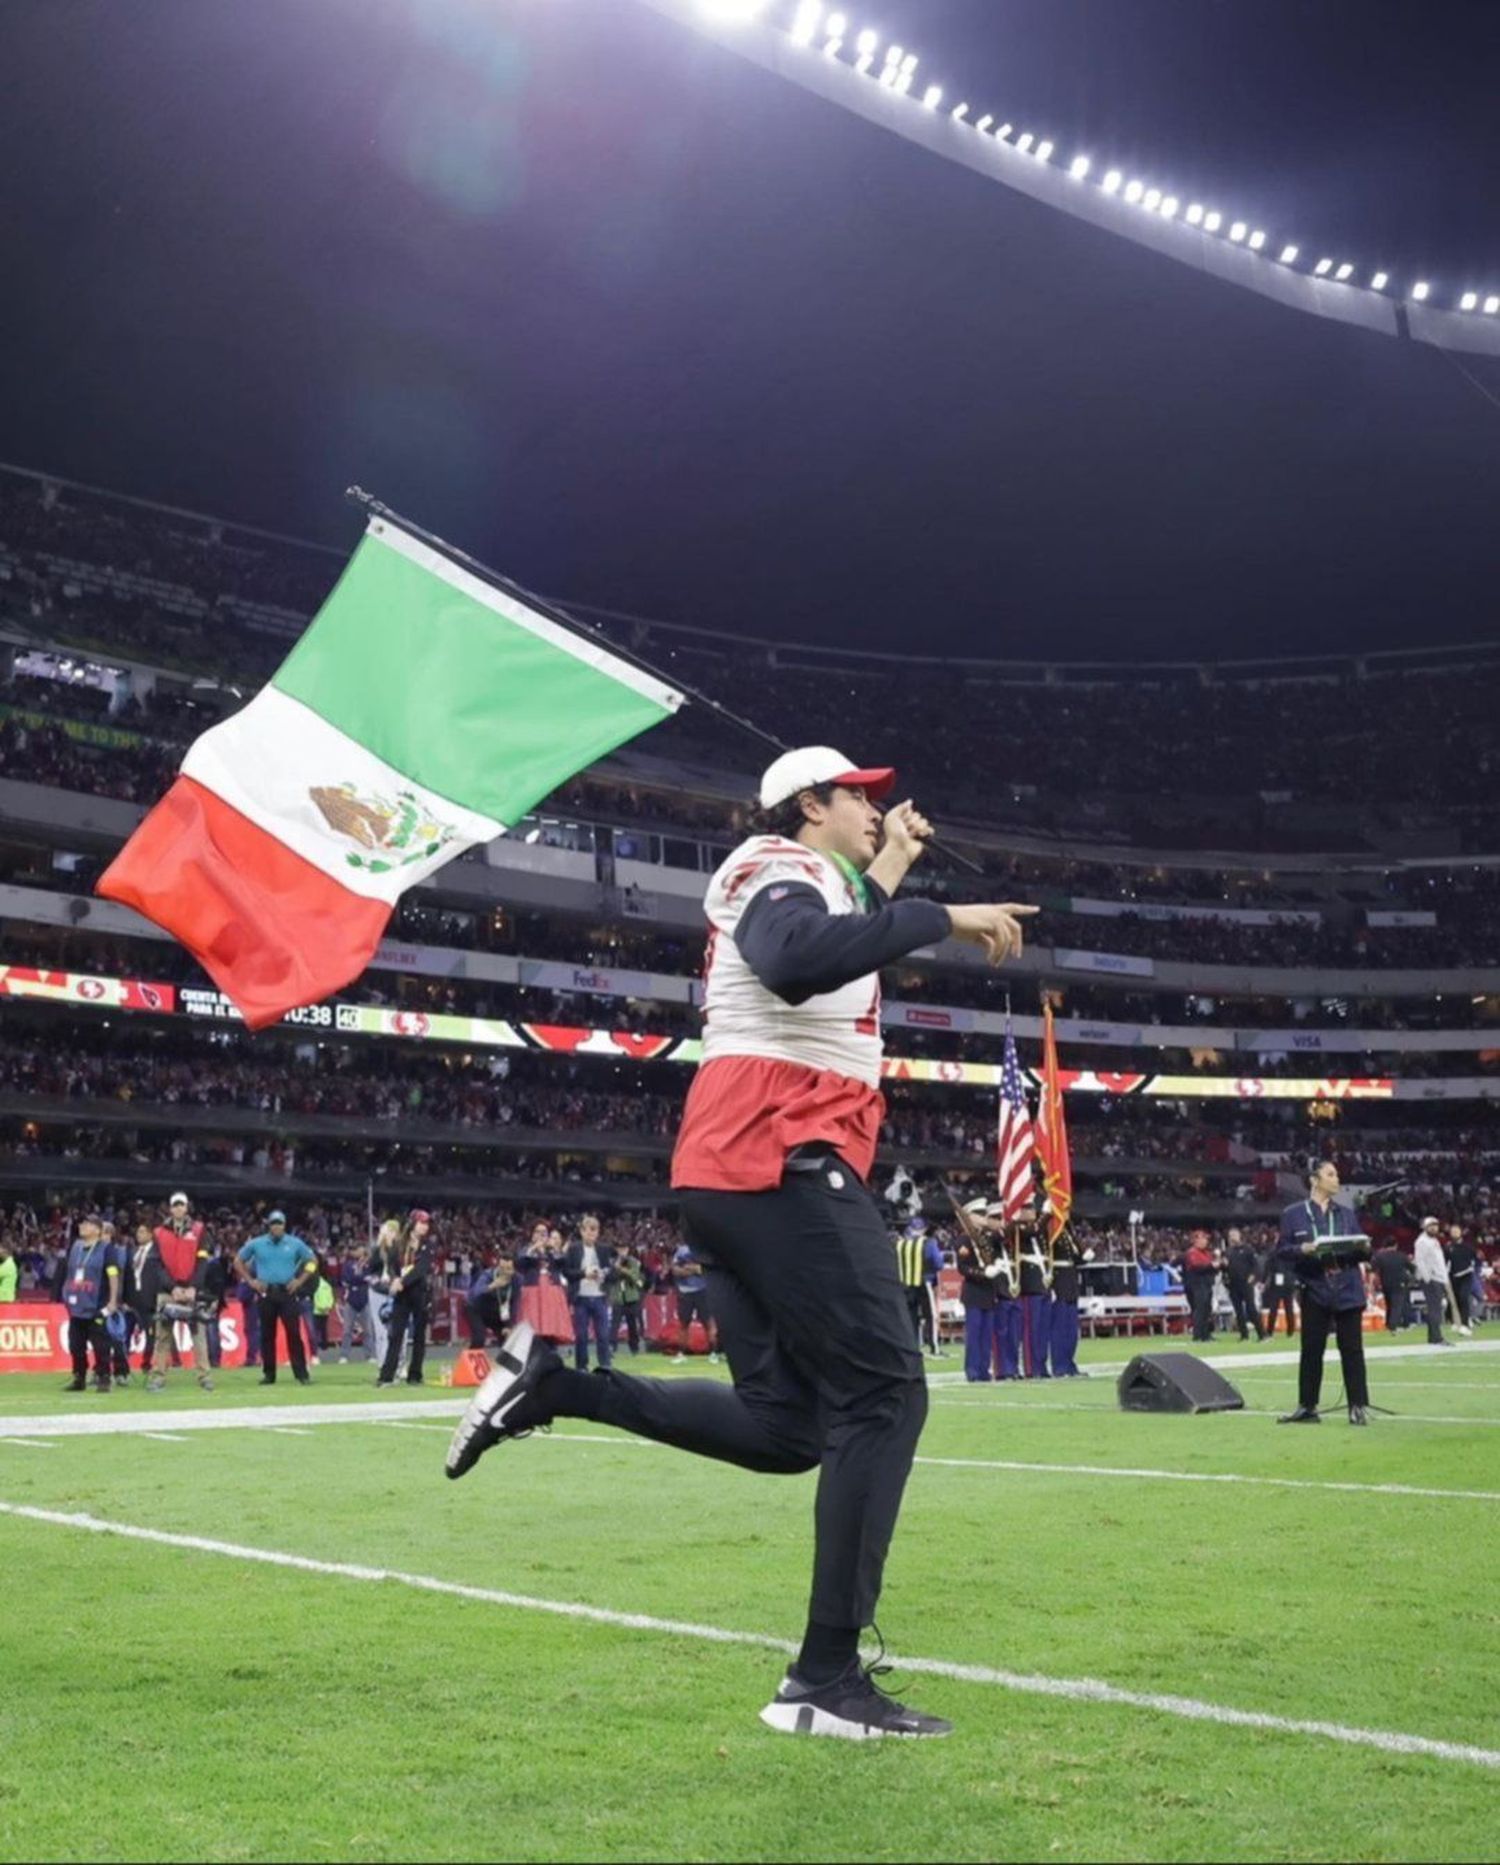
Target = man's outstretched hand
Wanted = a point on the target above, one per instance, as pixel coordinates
(995, 928)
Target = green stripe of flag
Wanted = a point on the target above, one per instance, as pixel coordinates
(459, 686)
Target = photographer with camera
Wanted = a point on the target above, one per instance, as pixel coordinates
(278, 1266)
(179, 1264)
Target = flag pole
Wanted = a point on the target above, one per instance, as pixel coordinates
(377, 508)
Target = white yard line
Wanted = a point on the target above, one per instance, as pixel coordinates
(1018, 1408)
(221, 1418)
(166, 1437)
(30, 1444)
(1278, 1356)
(1207, 1476)
(1076, 1689)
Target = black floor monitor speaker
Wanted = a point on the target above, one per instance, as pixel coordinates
(1175, 1382)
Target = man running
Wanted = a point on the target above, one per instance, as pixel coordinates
(778, 1136)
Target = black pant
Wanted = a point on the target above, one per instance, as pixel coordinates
(1274, 1298)
(1463, 1298)
(630, 1314)
(484, 1318)
(1246, 1314)
(1435, 1300)
(827, 1376)
(81, 1336)
(144, 1317)
(279, 1304)
(1200, 1296)
(1396, 1315)
(916, 1307)
(1348, 1325)
(406, 1311)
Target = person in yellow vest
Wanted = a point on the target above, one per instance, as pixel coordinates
(9, 1274)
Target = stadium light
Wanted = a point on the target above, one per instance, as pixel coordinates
(808, 19)
(805, 25)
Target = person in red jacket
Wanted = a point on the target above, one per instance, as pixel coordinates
(183, 1257)
(1200, 1269)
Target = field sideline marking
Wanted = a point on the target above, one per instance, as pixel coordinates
(1106, 1411)
(30, 1444)
(1078, 1689)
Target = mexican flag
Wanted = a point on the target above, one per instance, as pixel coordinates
(422, 712)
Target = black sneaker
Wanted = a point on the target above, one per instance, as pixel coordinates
(76, 1385)
(853, 1707)
(265, 1380)
(1304, 1415)
(522, 1362)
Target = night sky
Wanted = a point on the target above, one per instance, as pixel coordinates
(649, 328)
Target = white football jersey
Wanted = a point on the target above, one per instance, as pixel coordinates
(839, 1031)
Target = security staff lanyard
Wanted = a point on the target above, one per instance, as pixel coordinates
(1332, 1230)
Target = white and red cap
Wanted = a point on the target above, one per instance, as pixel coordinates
(812, 765)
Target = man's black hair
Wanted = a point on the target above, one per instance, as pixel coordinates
(788, 819)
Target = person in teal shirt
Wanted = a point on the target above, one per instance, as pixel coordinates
(277, 1265)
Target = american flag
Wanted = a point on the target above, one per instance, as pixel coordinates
(1015, 1145)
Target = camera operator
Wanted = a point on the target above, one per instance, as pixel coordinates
(181, 1260)
(1332, 1292)
(91, 1293)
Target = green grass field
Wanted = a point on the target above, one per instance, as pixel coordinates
(167, 1702)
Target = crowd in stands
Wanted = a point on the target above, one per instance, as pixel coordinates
(142, 580)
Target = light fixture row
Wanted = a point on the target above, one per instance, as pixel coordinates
(818, 26)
